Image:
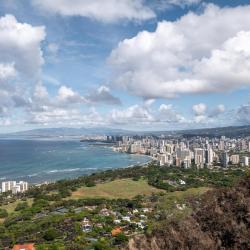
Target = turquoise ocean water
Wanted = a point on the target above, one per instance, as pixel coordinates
(37, 161)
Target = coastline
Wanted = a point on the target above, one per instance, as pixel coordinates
(96, 172)
(61, 160)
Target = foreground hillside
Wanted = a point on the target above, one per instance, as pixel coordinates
(172, 207)
(220, 220)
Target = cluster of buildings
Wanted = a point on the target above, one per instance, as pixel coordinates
(14, 187)
(121, 222)
(185, 152)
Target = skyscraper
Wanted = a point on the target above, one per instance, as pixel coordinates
(199, 157)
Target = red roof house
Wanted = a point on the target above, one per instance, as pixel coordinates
(24, 247)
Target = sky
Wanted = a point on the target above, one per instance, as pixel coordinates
(130, 64)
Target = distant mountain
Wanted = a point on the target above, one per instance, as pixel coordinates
(67, 132)
(233, 131)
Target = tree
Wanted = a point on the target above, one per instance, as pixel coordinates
(3, 213)
(90, 183)
(50, 234)
(21, 206)
(121, 238)
(101, 245)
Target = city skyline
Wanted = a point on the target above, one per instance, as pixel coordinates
(130, 64)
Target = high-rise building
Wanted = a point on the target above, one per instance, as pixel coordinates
(245, 161)
(169, 148)
(8, 185)
(224, 159)
(209, 156)
(199, 157)
(243, 145)
(20, 187)
(14, 187)
(235, 159)
(165, 159)
(222, 145)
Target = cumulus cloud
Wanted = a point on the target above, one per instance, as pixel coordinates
(174, 60)
(53, 48)
(182, 3)
(61, 117)
(168, 115)
(146, 115)
(103, 95)
(205, 115)
(21, 59)
(67, 96)
(199, 109)
(220, 109)
(243, 114)
(64, 99)
(20, 45)
(7, 71)
(4, 122)
(105, 11)
(135, 114)
(149, 102)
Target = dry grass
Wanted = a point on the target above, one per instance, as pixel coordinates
(124, 189)
(11, 206)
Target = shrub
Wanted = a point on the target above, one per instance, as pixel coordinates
(3, 213)
(50, 234)
(21, 206)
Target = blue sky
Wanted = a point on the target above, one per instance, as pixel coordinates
(133, 64)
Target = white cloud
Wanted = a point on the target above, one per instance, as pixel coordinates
(65, 117)
(20, 45)
(145, 115)
(165, 108)
(4, 122)
(133, 114)
(7, 71)
(64, 99)
(41, 92)
(20, 61)
(106, 11)
(149, 102)
(168, 115)
(199, 109)
(175, 60)
(182, 3)
(103, 95)
(243, 114)
(205, 115)
(220, 109)
(53, 48)
(201, 119)
(67, 95)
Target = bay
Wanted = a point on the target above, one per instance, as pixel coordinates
(37, 161)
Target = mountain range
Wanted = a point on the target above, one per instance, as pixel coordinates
(232, 131)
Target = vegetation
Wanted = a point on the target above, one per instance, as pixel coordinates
(81, 213)
(219, 220)
(3, 213)
(117, 189)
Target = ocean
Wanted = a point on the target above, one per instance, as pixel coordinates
(37, 161)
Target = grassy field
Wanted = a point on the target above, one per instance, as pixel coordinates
(169, 200)
(125, 188)
(181, 195)
(173, 204)
(11, 206)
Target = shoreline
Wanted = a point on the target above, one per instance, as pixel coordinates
(62, 173)
(95, 172)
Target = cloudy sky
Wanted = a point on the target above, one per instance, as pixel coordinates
(132, 64)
